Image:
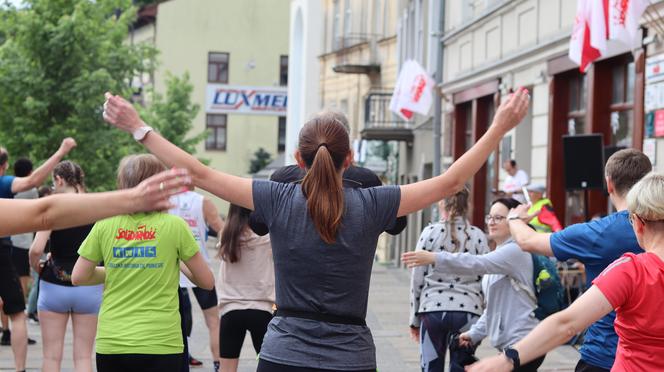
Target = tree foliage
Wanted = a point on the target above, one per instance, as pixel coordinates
(261, 159)
(57, 60)
(173, 114)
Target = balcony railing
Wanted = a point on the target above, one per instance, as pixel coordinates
(356, 54)
(380, 123)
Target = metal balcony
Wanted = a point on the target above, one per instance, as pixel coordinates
(380, 123)
(356, 54)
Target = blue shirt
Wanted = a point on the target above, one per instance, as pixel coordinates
(6, 193)
(597, 244)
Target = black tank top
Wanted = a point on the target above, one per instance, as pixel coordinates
(63, 245)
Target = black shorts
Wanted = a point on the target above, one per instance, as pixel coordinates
(234, 326)
(267, 366)
(21, 261)
(205, 298)
(10, 285)
(139, 362)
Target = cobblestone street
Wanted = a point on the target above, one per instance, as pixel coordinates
(387, 318)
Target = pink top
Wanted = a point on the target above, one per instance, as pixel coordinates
(634, 286)
(249, 282)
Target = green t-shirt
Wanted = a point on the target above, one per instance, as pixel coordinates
(141, 253)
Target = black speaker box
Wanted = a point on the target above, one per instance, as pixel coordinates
(583, 158)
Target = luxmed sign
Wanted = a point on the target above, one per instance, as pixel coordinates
(234, 99)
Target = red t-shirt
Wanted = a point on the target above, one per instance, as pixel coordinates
(634, 285)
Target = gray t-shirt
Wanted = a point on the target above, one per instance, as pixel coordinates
(313, 276)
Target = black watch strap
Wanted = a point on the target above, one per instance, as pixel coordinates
(512, 355)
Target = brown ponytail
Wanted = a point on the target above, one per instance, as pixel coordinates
(323, 146)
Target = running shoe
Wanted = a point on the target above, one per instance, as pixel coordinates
(33, 319)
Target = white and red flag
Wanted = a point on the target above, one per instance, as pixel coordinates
(589, 33)
(624, 20)
(604, 27)
(413, 91)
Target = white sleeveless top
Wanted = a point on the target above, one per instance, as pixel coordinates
(189, 206)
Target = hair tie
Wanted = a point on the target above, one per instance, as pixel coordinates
(321, 145)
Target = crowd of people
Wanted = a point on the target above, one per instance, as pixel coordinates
(296, 256)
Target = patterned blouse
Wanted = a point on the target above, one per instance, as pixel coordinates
(433, 290)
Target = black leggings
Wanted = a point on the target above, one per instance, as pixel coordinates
(266, 366)
(139, 362)
(233, 327)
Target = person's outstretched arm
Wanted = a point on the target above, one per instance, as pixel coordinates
(237, 190)
(528, 239)
(66, 210)
(420, 195)
(552, 331)
(39, 175)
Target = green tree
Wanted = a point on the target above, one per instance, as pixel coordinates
(58, 59)
(173, 114)
(261, 159)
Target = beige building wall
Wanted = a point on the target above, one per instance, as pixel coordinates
(370, 38)
(255, 34)
(510, 40)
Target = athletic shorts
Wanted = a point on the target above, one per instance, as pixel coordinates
(234, 326)
(205, 298)
(139, 362)
(21, 261)
(10, 285)
(64, 299)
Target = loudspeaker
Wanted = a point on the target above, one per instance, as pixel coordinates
(583, 158)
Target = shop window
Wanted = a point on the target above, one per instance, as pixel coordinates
(622, 102)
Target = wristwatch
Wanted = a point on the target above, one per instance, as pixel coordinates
(140, 133)
(513, 217)
(512, 355)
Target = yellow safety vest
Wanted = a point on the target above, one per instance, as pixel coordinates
(535, 222)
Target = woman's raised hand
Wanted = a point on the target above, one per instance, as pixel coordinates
(121, 113)
(418, 258)
(512, 110)
(153, 193)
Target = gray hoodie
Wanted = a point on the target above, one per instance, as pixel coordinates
(508, 316)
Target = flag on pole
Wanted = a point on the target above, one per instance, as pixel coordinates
(413, 91)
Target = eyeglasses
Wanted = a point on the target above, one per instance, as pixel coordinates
(643, 220)
(496, 219)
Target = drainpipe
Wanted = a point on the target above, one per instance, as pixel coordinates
(438, 104)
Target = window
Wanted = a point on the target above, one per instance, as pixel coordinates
(347, 19)
(576, 116)
(281, 144)
(216, 125)
(335, 26)
(283, 70)
(622, 102)
(218, 67)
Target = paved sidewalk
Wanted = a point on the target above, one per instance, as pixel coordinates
(387, 317)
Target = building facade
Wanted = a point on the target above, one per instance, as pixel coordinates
(491, 47)
(236, 55)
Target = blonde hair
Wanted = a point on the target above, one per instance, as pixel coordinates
(646, 198)
(133, 169)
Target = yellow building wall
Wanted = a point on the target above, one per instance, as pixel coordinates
(255, 34)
